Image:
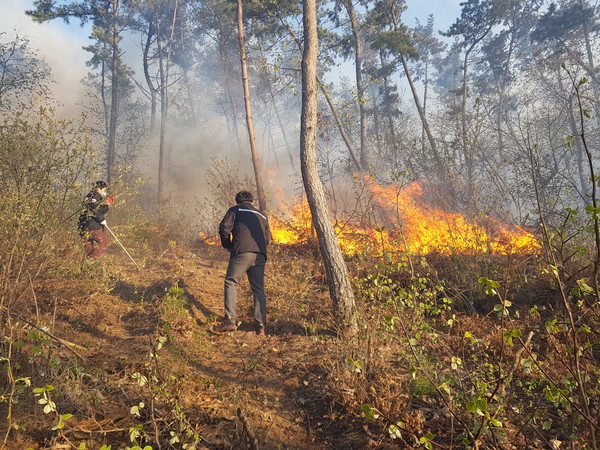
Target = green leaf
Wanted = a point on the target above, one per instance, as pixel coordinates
(355, 365)
(569, 141)
(482, 404)
(61, 422)
(495, 422)
(369, 412)
(487, 282)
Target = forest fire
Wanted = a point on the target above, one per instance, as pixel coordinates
(424, 229)
(416, 228)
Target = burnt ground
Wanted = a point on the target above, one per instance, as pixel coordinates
(102, 327)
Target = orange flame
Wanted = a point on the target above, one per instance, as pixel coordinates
(427, 229)
(417, 228)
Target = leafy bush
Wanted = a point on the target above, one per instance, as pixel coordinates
(42, 163)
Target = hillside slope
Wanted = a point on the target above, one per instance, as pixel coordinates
(234, 390)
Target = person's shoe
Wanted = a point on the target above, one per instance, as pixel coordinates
(224, 326)
(261, 330)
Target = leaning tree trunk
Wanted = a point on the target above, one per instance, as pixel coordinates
(288, 146)
(584, 192)
(436, 156)
(336, 116)
(255, 163)
(357, 161)
(340, 288)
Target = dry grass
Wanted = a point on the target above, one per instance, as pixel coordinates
(413, 364)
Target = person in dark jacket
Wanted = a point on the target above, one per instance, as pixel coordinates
(92, 220)
(244, 231)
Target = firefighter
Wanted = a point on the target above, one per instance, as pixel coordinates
(92, 221)
(244, 232)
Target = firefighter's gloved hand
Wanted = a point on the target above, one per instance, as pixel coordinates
(103, 223)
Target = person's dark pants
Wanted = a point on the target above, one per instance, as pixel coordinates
(96, 244)
(254, 265)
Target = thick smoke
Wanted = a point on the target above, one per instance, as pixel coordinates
(59, 46)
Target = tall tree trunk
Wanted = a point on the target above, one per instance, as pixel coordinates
(255, 163)
(233, 126)
(190, 96)
(282, 127)
(420, 109)
(105, 106)
(358, 57)
(388, 103)
(338, 280)
(590, 68)
(146, 66)
(425, 93)
(163, 115)
(112, 132)
(467, 148)
(164, 98)
(584, 190)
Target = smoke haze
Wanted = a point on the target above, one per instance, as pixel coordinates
(58, 45)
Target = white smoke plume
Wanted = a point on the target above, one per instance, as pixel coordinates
(58, 44)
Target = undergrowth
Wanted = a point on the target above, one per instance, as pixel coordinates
(424, 370)
(426, 373)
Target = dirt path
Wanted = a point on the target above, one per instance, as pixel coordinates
(275, 381)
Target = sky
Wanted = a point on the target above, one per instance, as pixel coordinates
(445, 12)
(60, 45)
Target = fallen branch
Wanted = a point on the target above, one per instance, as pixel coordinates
(67, 344)
(247, 430)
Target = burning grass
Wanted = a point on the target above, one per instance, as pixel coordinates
(413, 227)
